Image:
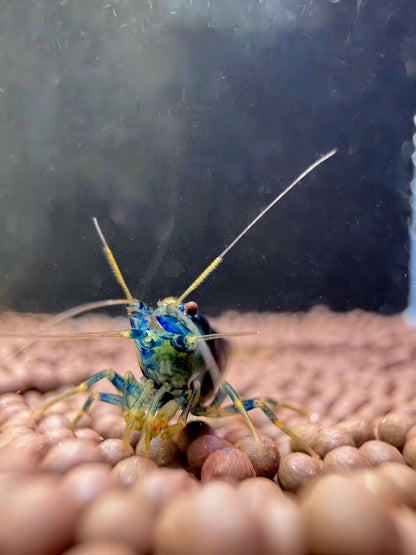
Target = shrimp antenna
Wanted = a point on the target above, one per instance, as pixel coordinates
(112, 261)
(61, 317)
(219, 258)
(67, 314)
(123, 333)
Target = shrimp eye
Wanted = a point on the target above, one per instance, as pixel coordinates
(191, 308)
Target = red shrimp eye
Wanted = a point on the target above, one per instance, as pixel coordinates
(191, 308)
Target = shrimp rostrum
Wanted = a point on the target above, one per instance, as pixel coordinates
(182, 360)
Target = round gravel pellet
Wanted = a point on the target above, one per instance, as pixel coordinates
(36, 517)
(307, 432)
(57, 435)
(109, 425)
(379, 452)
(404, 479)
(11, 399)
(411, 432)
(164, 452)
(112, 450)
(360, 429)
(342, 518)
(281, 528)
(156, 489)
(53, 421)
(405, 521)
(229, 464)
(114, 516)
(86, 482)
(129, 470)
(393, 429)
(256, 490)
(212, 520)
(191, 431)
(409, 452)
(87, 433)
(13, 382)
(345, 459)
(22, 452)
(379, 485)
(18, 421)
(296, 470)
(264, 456)
(44, 379)
(277, 517)
(329, 438)
(236, 432)
(15, 432)
(101, 547)
(70, 453)
(14, 405)
(200, 449)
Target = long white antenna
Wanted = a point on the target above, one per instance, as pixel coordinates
(219, 258)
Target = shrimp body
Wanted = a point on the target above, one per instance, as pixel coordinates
(167, 350)
(181, 358)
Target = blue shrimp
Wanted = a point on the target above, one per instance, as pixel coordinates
(182, 360)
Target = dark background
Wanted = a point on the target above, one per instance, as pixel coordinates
(176, 122)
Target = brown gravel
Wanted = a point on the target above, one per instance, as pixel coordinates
(201, 448)
(112, 450)
(263, 455)
(276, 515)
(296, 470)
(405, 521)
(101, 547)
(379, 452)
(76, 490)
(409, 452)
(228, 464)
(345, 458)
(359, 429)
(115, 516)
(214, 519)
(127, 471)
(341, 518)
(393, 428)
(328, 439)
(404, 478)
(381, 485)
